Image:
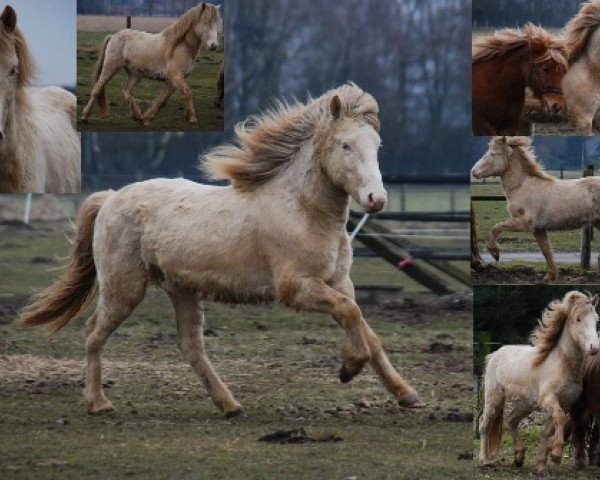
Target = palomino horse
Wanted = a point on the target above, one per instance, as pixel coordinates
(586, 408)
(39, 147)
(536, 201)
(278, 232)
(582, 81)
(168, 56)
(546, 375)
(504, 65)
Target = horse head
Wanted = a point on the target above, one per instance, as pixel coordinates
(9, 66)
(495, 161)
(351, 164)
(545, 72)
(583, 321)
(209, 25)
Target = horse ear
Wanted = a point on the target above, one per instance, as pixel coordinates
(336, 107)
(537, 44)
(595, 300)
(9, 19)
(203, 7)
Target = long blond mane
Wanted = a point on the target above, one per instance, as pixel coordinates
(510, 40)
(546, 335)
(265, 144)
(524, 150)
(580, 28)
(27, 67)
(175, 33)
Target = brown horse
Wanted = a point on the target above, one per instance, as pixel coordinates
(583, 410)
(504, 65)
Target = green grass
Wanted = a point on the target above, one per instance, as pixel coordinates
(202, 81)
(281, 365)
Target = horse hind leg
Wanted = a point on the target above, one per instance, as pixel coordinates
(190, 114)
(133, 80)
(158, 103)
(108, 72)
(191, 343)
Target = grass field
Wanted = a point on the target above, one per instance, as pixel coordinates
(280, 364)
(202, 81)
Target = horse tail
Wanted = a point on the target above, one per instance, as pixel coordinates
(71, 294)
(580, 28)
(495, 425)
(102, 98)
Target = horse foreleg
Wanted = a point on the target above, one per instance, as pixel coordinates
(517, 224)
(513, 420)
(559, 417)
(544, 450)
(158, 103)
(313, 294)
(133, 81)
(190, 113)
(541, 237)
(108, 72)
(190, 338)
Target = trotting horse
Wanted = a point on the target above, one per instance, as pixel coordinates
(536, 201)
(582, 81)
(503, 66)
(278, 232)
(546, 375)
(168, 56)
(39, 147)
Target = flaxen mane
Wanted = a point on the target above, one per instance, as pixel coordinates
(580, 28)
(547, 334)
(510, 40)
(27, 68)
(264, 144)
(527, 156)
(174, 34)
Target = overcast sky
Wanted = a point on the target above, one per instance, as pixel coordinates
(50, 29)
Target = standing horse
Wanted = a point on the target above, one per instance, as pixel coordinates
(546, 375)
(168, 56)
(582, 81)
(586, 408)
(503, 66)
(536, 201)
(278, 232)
(39, 147)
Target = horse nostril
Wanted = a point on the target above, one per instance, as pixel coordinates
(370, 198)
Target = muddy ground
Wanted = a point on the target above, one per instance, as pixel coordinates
(280, 364)
(513, 273)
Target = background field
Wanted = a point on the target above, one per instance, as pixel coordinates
(282, 365)
(202, 81)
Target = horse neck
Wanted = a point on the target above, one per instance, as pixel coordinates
(15, 176)
(510, 72)
(514, 175)
(317, 196)
(192, 41)
(571, 357)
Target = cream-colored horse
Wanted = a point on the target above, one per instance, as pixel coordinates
(278, 232)
(39, 147)
(536, 201)
(547, 375)
(581, 84)
(168, 56)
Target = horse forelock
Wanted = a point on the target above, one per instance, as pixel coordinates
(550, 327)
(580, 28)
(511, 40)
(27, 68)
(265, 144)
(175, 33)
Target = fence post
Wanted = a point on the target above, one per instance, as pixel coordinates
(128, 21)
(586, 232)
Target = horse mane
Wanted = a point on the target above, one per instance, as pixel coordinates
(522, 146)
(580, 28)
(546, 335)
(510, 40)
(175, 33)
(27, 67)
(265, 144)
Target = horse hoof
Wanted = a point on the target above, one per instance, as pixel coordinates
(413, 402)
(235, 414)
(100, 409)
(556, 458)
(345, 375)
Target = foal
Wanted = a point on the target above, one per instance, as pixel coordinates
(546, 375)
(536, 201)
(168, 56)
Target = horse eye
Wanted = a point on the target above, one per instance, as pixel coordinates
(546, 69)
(13, 71)
(346, 146)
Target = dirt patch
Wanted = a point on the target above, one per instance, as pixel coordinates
(491, 275)
(298, 435)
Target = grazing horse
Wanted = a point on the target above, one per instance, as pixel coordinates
(39, 146)
(168, 56)
(586, 408)
(503, 66)
(581, 84)
(536, 201)
(277, 232)
(546, 375)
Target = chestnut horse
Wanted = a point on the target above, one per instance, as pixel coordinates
(586, 409)
(504, 65)
(278, 232)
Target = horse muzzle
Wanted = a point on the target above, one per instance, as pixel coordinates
(212, 47)
(552, 99)
(375, 202)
